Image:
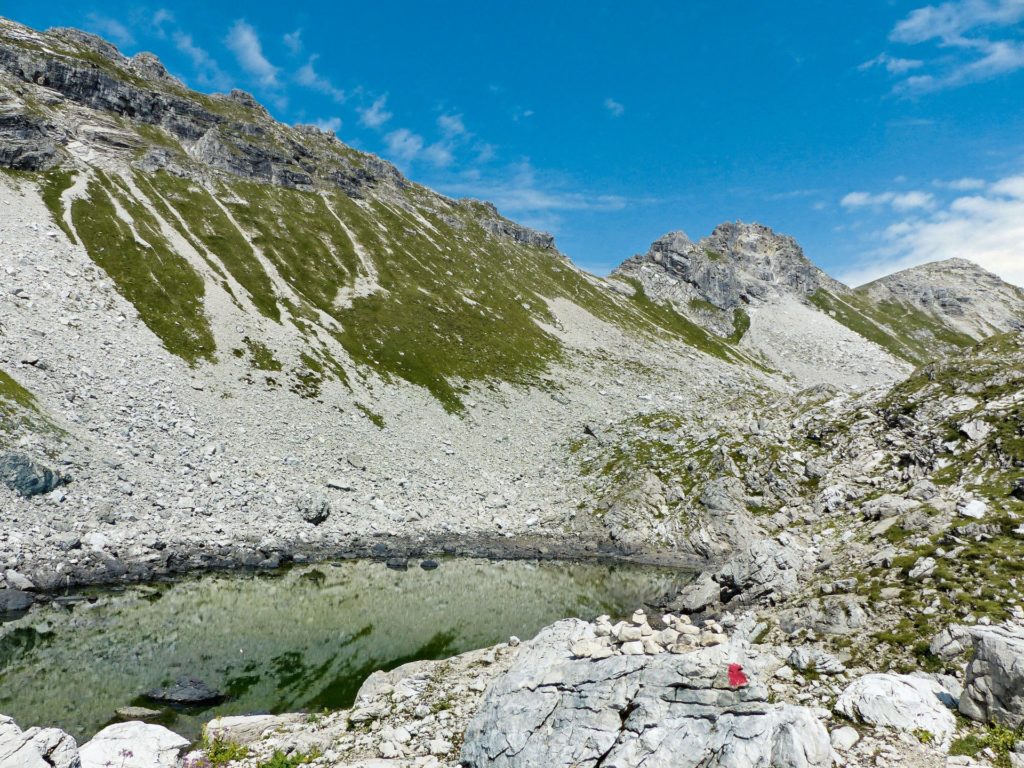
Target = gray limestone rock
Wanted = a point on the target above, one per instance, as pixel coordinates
(27, 477)
(994, 688)
(679, 710)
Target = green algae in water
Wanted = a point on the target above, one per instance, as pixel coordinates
(303, 640)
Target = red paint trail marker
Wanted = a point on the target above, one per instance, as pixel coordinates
(737, 678)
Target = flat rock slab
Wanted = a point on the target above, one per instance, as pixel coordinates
(187, 690)
(133, 745)
(664, 711)
(902, 702)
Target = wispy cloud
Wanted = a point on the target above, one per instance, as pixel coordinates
(308, 77)
(208, 73)
(537, 199)
(892, 64)
(330, 124)
(963, 185)
(900, 201)
(987, 227)
(451, 125)
(293, 41)
(972, 41)
(403, 144)
(615, 109)
(112, 29)
(375, 115)
(244, 42)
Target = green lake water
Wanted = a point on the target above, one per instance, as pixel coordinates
(300, 640)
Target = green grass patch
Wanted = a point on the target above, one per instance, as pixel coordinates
(219, 752)
(261, 355)
(740, 325)
(163, 287)
(902, 330)
(998, 738)
(52, 185)
(373, 416)
(220, 237)
(282, 760)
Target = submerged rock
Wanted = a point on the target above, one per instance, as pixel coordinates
(14, 600)
(187, 690)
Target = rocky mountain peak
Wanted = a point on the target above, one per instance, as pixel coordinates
(737, 264)
(958, 291)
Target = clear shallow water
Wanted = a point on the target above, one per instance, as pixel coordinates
(302, 640)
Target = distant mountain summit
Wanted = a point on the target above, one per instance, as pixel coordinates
(737, 265)
(957, 292)
(745, 281)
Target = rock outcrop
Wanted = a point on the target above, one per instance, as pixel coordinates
(704, 708)
(994, 689)
(903, 702)
(36, 747)
(27, 477)
(133, 745)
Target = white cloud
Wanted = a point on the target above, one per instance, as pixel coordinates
(615, 108)
(112, 29)
(520, 190)
(160, 17)
(907, 201)
(308, 76)
(403, 144)
(439, 154)
(965, 184)
(900, 201)
(965, 32)
(207, 72)
(451, 125)
(330, 124)
(244, 42)
(951, 21)
(892, 64)
(987, 228)
(293, 41)
(375, 115)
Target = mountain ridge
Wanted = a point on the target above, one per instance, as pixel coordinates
(195, 252)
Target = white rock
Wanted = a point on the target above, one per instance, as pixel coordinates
(133, 745)
(899, 701)
(844, 738)
(974, 509)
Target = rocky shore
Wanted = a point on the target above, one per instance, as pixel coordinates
(589, 694)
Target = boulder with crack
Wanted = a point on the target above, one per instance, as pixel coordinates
(704, 708)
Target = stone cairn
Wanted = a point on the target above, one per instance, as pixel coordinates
(637, 637)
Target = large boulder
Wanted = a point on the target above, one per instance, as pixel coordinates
(902, 702)
(27, 477)
(36, 747)
(702, 708)
(994, 689)
(14, 600)
(133, 745)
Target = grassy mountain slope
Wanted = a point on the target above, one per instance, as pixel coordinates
(901, 329)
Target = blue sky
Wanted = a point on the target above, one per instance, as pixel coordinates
(878, 133)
